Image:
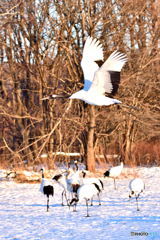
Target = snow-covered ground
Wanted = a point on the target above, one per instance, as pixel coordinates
(23, 213)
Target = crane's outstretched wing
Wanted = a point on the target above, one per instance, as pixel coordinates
(92, 52)
(107, 78)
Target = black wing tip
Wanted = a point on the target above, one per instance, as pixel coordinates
(115, 78)
(57, 177)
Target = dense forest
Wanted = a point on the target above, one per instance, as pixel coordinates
(41, 45)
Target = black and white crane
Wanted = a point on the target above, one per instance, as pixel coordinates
(70, 181)
(98, 78)
(86, 192)
(136, 187)
(61, 180)
(73, 182)
(98, 181)
(46, 188)
(114, 172)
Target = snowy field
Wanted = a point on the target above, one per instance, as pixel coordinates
(23, 213)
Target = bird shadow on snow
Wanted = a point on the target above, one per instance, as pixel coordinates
(130, 214)
(43, 204)
(29, 205)
(133, 218)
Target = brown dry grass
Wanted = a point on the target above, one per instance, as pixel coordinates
(147, 154)
(31, 177)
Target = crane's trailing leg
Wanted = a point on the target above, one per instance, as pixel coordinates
(87, 208)
(74, 202)
(47, 204)
(64, 195)
(115, 184)
(99, 199)
(137, 203)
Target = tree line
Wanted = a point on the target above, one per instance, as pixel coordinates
(41, 45)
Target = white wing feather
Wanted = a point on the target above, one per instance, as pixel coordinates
(102, 80)
(115, 62)
(92, 52)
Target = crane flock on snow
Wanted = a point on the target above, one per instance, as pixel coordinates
(77, 186)
(100, 78)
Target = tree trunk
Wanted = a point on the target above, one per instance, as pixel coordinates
(129, 140)
(90, 163)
